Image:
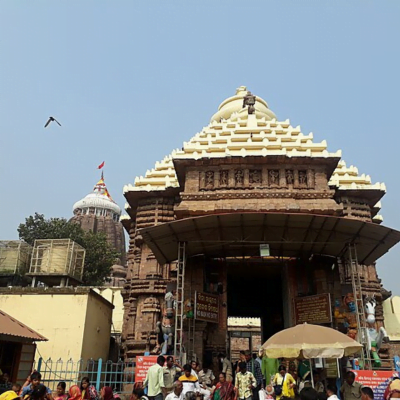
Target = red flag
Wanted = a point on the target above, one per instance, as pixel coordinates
(101, 165)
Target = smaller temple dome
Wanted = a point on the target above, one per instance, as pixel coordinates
(99, 202)
(235, 104)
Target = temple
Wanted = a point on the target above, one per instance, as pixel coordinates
(98, 212)
(251, 218)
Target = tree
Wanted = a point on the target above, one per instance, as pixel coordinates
(100, 255)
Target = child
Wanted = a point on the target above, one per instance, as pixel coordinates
(16, 387)
(34, 380)
(269, 392)
(61, 391)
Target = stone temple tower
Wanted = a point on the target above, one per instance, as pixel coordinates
(98, 212)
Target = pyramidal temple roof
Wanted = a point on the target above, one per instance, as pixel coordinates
(233, 131)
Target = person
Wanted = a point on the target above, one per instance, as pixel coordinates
(155, 380)
(176, 394)
(224, 389)
(5, 383)
(170, 371)
(350, 390)
(269, 367)
(308, 393)
(206, 381)
(241, 358)
(106, 393)
(245, 382)
(189, 381)
(39, 392)
(322, 396)
(195, 369)
(331, 392)
(284, 384)
(9, 395)
(34, 381)
(61, 391)
(226, 366)
(257, 358)
(318, 385)
(269, 392)
(88, 391)
(255, 368)
(138, 394)
(393, 389)
(74, 393)
(16, 387)
(367, 393)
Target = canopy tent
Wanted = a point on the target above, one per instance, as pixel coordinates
(310, 341)
(288, 235)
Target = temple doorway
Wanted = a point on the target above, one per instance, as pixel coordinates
(255, 290)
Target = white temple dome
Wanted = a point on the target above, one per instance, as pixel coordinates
(98, 202)
(234, 104)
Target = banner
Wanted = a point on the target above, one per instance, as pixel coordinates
(376, 380)
(143, 363)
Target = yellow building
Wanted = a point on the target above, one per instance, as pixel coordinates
(391, 312)
(76, 321)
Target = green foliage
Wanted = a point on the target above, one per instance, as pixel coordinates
(100, 255)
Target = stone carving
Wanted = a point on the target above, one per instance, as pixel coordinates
(303, 177)
(289, 177)
(210, 178)
(249, 100)
(273, 177)
(255, 176)
(223, 178)
(239, 177)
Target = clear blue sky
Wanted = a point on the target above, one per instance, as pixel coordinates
(132, 80)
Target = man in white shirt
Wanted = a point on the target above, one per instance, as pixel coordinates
(331, 391)
(155, 380)
(177, 393)
(206, 380)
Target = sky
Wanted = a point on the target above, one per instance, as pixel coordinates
(131, 80)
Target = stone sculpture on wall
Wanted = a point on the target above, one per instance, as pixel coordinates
(239, 177)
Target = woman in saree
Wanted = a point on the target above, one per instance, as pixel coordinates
(74, 393)
(224, 390)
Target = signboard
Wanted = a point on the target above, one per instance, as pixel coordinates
(143, 363)
(264, 250)
(376, 380)
(206, 307)
(313, 309)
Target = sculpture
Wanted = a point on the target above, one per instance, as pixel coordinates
(273, 177)
(375, 338)
(239, 176)
(289, 177)
(165, 328)
(249, 100)
(210, 178)
(223, 180)
(303, 177)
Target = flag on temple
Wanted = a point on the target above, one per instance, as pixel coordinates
(101, 165)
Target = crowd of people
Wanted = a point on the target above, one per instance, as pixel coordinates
(33, 389)
(244, 380)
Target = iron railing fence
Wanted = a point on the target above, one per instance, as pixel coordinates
(118, 375)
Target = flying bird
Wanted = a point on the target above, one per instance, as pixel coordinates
(51, 119)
